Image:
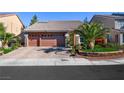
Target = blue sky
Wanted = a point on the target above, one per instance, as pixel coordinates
(45, 16)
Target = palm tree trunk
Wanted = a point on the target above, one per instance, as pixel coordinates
(105, 40)
(92, 44)
(5, 44)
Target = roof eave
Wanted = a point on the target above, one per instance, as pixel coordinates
(47, 30)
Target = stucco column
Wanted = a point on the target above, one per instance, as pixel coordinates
(121, 39)
(0, 43)
(77, 39)
(26, 39)
(66, 39)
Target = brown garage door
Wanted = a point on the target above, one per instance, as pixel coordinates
(34, 42)
(53, 40)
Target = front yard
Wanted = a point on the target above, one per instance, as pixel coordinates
(94, 42)
(99, 48)
(6, 50)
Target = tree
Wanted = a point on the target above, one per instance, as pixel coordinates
(90, 32)
(34, 20)
(86, 20)
(2, 31)
(7, 38)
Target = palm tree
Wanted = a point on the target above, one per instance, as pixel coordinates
(91, 31)
(7, 38)
(2, 31)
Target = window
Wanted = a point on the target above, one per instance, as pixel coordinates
(81, 39)
(119, 24)
(109, 37)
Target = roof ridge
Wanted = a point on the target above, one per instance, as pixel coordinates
(110, 16)
(60, 21)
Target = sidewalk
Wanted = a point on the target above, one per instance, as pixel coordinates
(58, 62)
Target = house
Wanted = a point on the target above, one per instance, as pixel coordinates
(51, 33)
(115, 24)
(12, 23)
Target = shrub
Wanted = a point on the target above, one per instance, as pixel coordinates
(84, 45)
(73, 51)
(71, 39)
(7, 50)
(100, 48)
(77, 47)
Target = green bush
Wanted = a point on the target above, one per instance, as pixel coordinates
(99, 48)
(15, 46)
(71, 39)
(84, 45)
(7, 50)
(77, 47)
(73, 51)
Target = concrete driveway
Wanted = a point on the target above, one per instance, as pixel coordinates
(39, 56)
(37, 52)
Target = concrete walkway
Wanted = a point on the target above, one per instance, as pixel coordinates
(37, 56)
(44, 62)
(57, 62)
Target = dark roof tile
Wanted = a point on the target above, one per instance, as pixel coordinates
(53, 26)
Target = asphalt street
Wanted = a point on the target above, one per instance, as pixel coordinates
(97, 72)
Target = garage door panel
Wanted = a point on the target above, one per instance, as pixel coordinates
(33, 42)
(48, 42)
(60, 42)
(47, 39)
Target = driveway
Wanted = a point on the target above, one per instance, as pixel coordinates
(46, 56)
(40, 56)
(37, 52)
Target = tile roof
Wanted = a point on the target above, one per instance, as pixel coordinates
(53, 26)
(111, 16)
(6, 15)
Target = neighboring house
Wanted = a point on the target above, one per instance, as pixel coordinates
(12, 23)
(51, 33)
(115, 24)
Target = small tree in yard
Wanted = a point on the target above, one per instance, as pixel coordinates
(7, 38)
(90, 32)
(2, 31)
(71, 39)
(34, 20)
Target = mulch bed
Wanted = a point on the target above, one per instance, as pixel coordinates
(101, 57)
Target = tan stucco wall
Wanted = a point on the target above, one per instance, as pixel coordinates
(12, 24)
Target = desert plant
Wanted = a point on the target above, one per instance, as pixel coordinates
(90, 32)
(6, 39)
